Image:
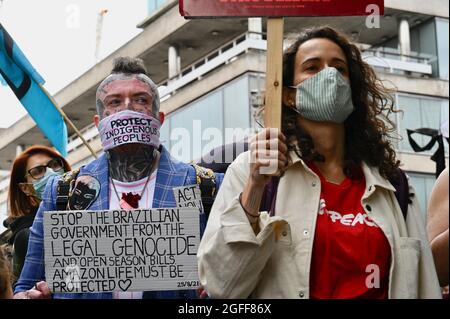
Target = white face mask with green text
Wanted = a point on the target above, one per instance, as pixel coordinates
(127, 127)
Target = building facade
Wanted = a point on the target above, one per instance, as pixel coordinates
(211, 79)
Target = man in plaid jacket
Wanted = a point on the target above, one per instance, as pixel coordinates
(128, 88)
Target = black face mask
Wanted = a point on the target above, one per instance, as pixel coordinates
(82, 197)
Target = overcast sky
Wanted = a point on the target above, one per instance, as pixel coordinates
(58, 37)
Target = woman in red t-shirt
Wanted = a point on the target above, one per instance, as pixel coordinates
(338, 232)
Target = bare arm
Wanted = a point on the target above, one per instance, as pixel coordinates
(437, 226)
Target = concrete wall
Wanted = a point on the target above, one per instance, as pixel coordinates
(437, 8)
(421, 86)
(252, 61)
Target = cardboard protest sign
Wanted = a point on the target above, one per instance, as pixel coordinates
(188, 196)
(276, 8)
(119, 250)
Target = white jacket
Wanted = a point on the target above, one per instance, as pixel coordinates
(234, 263)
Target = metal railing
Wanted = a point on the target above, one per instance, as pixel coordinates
(394, 61)
(89, 133)
(223, 55)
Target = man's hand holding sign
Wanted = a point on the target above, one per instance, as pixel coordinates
(120, 250)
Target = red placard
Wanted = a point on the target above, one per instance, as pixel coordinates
(279, 8)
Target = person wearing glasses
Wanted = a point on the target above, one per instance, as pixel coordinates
(29, 175)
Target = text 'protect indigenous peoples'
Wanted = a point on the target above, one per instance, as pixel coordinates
(119, 129)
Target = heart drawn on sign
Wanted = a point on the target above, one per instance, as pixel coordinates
(124, 284)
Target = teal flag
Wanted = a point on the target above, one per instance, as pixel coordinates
(25, 82)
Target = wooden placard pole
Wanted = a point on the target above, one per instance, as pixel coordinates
(274, 72)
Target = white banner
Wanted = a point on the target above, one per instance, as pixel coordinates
(119, 250)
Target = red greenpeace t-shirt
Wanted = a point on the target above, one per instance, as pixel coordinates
(351, 255)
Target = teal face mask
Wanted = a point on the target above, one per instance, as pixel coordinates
(325, 97)
(39, 185)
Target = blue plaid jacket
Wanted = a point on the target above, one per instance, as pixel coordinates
(171, 173)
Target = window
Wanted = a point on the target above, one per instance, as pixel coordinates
(236, 104)
(423, 185)
(428, 40)
(420, 112)
(154, 5)
(164, 133)
(194, 128)
(197, 128)
(423, 41)
(442, 47)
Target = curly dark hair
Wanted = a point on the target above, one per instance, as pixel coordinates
(368, 128)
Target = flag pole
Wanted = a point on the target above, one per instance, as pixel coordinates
(63, 114)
